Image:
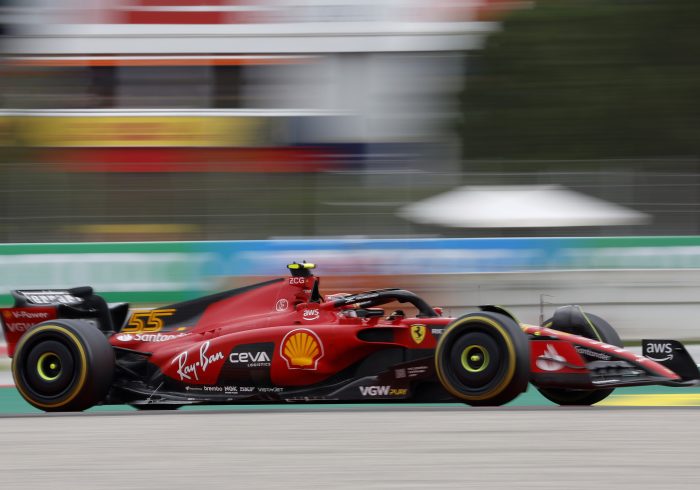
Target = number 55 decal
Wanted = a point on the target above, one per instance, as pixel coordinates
(147, 321)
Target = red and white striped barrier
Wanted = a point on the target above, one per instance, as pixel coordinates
(5, 374)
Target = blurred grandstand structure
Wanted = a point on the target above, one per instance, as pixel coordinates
(142, 119)
(242, 119)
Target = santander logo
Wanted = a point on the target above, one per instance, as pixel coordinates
(550, 360)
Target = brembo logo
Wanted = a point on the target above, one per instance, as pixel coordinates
(659, 352)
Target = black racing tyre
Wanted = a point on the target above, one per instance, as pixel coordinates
(604, 333)
(63, 365)
(483, 359)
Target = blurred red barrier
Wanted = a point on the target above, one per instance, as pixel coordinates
(188, 160)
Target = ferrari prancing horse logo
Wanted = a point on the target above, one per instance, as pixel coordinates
(418, 333)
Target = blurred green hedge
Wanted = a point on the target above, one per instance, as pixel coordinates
(587, 79)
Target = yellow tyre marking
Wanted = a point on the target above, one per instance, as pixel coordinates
(590, 324)
(83, 358)
(511, 357)
(40, 367)
(653, 400)
(482, 356)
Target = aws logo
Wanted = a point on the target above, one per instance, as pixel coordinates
(301, 349)
(658, 351)
(311, 314)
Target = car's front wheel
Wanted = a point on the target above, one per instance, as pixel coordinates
(483, 359)
(596, 329)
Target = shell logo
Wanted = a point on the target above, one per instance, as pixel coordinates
(301, 349)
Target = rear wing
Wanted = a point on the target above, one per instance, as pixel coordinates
(34, 306)
(16, 321)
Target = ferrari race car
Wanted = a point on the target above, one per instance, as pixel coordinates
(283, 341)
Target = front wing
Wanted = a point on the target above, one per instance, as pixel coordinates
(562, 360)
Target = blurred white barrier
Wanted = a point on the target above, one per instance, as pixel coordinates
(638, 303)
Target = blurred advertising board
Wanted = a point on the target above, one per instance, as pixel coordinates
(449, 256)
(138, 272)
(90, 142)
(308, 13)
(301, 158)
(161, 272)
(140, 131)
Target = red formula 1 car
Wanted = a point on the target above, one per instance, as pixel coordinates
(282, 341)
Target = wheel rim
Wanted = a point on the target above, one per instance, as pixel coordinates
(475, 361)
(48, 366)
(475, 358)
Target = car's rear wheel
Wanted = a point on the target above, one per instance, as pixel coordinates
(603, 332)
(63, 365)
(483, 359)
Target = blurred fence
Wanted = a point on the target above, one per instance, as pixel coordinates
(42, 205)
(646, 286)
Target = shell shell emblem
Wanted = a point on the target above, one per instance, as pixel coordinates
(301, 349)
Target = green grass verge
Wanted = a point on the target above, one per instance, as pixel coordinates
(12, 403)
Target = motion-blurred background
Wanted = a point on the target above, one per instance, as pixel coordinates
(447, 146)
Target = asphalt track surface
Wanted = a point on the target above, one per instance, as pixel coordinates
(647, 437)
(356, 448)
